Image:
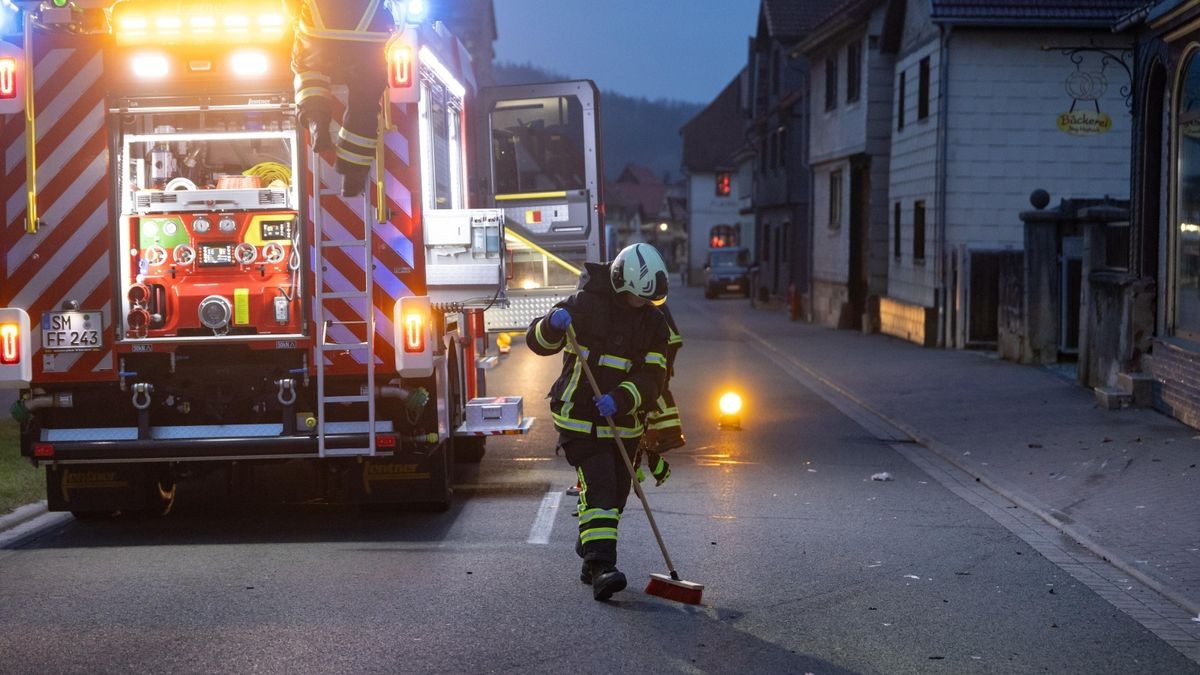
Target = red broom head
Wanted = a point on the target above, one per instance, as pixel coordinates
(675, 589)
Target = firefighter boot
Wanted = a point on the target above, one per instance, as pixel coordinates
(318, 128)
(354, 182)
(606, 580)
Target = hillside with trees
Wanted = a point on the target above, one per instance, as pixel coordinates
(637, 130)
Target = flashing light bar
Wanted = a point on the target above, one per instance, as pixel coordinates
(144, 22)
(249, 63)
(150, 66)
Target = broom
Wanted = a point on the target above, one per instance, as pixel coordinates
(666, 586)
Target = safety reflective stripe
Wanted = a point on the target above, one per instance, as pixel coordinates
(312, 75)
(588, 515)
(664, 423)
(659, 467)
(537, 333)
(347, 135)
(582, 488)
(656, 359)
(675, 338)
(570, 424)
(598, 534)
(626, 432)
(633, 390)
(313, 92)
(615, 362)
(345, 35)
(573, 384)
(354, 157)
(586, 352)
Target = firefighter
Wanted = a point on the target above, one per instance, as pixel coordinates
(342, 41)
(624, 338)
(664, 430)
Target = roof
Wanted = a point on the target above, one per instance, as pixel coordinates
(715, 133)
(790, 19)
(1036, 12)
(638, 187)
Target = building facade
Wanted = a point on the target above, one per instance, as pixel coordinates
(852, 59)
(992, 101)
(711, 140)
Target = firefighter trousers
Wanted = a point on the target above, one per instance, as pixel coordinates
(604, 488)
(319, 63)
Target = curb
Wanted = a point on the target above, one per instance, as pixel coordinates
(22, 515)
(1078, 533)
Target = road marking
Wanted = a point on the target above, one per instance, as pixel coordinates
(544, 523)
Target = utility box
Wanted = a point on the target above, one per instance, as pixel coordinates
(494, 413)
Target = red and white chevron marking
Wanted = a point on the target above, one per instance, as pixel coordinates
(68, 258)
(395, 250)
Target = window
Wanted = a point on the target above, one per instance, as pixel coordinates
(538, 145)
(766, 242)
(722, 236)
(724, 183)
(853, 71)
(1186, 277)
(775, 72)
(900, 96)
(896, 252)
(442, 176)
(831, 83)
(919, 231)
(835, 199)
(923, 89)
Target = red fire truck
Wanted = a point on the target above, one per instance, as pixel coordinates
(182, 288)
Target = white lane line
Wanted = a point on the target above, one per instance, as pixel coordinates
(544, 523)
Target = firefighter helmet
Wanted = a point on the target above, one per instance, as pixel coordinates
(639, 270)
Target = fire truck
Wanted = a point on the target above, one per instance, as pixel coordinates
(183, 288)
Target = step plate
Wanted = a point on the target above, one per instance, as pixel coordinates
(522, 428)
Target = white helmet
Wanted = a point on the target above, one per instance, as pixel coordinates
(640, 270)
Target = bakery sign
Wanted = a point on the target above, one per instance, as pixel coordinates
(1084, 118)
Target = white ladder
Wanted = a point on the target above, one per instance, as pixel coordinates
(326, 241)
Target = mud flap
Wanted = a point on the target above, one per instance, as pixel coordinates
(98, 488)
(411, 477)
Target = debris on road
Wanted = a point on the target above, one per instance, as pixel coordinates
(883, 475)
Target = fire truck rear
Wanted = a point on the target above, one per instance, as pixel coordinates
(184, 288)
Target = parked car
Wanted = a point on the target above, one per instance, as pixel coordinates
(726, 272)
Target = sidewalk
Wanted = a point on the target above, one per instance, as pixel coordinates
(1125, 483)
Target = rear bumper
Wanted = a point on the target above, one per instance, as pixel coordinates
(202, 443)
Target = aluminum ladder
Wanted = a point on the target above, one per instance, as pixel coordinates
(336, 239)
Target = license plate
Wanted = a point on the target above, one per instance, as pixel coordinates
(734, 287)
(72, 331)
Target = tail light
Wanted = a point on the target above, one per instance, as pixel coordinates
(411, 331)
(12, 75)
(402, 68)
(16, 366)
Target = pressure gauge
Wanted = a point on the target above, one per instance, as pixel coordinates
(169, 228)
(227, 224)
(201, 225)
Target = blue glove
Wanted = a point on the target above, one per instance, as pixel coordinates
(560, 319)
(606, 405)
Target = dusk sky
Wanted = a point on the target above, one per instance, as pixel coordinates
(679, 49)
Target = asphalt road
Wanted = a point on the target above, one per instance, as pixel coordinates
(810, 565)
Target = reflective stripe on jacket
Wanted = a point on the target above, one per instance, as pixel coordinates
(355, 20)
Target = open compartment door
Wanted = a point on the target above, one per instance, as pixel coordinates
(539, 161)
